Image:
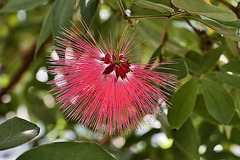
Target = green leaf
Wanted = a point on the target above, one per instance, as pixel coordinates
(16, 131)
(233, 66)
(67, 151)
(15, 5)
(88, 10)
(232, 80)
(46, 31)
(219, 28)
(155, 54)
(187, 140)
(210, 59)
(192, 60)
(178, 68)
(194, 56)
(62, 14)
(235, 120)
(235, 24)
(218, 101)
(198, 64)
(231, 49)
(155, 6)
(183, 103)
(201, 109)
(200, 7)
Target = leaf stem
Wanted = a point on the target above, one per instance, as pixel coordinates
(184, 14)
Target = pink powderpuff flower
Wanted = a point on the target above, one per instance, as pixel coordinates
(102, 89)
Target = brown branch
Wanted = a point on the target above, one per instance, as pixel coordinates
(205, 40)
(236, 10)
(198, 32)
(165, 34)
(171, 5)
(164, 38)
(28, 58)
(226, 4)
(124, 15)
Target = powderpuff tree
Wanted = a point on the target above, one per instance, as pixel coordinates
(100, 87)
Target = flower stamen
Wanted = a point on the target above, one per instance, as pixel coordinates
(121, 67)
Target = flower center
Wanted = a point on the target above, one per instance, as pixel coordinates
(121, 68)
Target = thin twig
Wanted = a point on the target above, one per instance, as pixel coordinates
(171, 5)
(149, 16)
(226, 4)
(164, 38)
(124, 14)
(164, 34)
(184, 14)
(198, 32)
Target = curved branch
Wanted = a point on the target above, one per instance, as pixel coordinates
(236, 10)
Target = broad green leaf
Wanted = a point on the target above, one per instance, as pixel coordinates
(235, 24)
(183, 102)
(16, 131)
(232, 80)
(200, 7)
(177, 67)
(201, 109)
(187, 140)
(218, 101)
(210, 59)
(219, 28)
(235, 120)
(231, 49)
(67, 151)
(88, 9)
(62, 14)
(156, 6)
(194, 56)
(155, 54)
(233, 66)
(46, 30)
(192, 60)
(15, 5)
